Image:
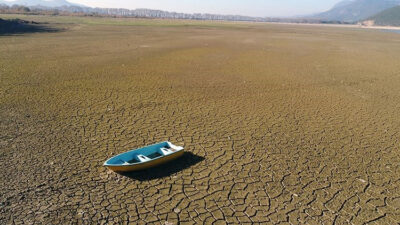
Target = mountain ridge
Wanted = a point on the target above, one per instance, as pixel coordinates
(356, 10)
(388, 17)
(343, 3)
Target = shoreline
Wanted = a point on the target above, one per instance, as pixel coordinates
(340, 25)
(395, 28)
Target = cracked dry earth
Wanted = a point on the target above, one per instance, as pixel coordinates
(282, 124)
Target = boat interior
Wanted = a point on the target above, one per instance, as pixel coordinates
(144, 154)
(144, 158)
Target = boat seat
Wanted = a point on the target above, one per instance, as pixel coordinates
(166, 151)
(124, 162)
(130, 162)
(143, 158)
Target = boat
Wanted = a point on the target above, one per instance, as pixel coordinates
(144, 158)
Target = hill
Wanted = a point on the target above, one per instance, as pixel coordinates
(389, 17)
(52, 3)
(356, 10)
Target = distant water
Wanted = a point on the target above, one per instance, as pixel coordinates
(392, 31)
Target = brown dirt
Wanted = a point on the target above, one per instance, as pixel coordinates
(284, 123)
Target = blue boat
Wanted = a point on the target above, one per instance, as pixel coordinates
(144, 158)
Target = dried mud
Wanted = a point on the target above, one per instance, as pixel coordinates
(283, 124)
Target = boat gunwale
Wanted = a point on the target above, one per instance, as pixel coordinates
(140, 163)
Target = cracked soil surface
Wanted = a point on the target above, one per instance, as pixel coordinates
(282, 124)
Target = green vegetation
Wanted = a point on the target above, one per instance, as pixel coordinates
(389, 17)
(297, 124)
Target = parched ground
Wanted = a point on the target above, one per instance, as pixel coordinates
(282, 124)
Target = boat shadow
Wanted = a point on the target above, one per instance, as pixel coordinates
(187, 160)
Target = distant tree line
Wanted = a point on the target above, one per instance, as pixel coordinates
(14, 9)
(143, 13)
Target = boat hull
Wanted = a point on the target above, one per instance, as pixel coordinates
(145, 165)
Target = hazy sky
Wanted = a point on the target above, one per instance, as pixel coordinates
(242, 7)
